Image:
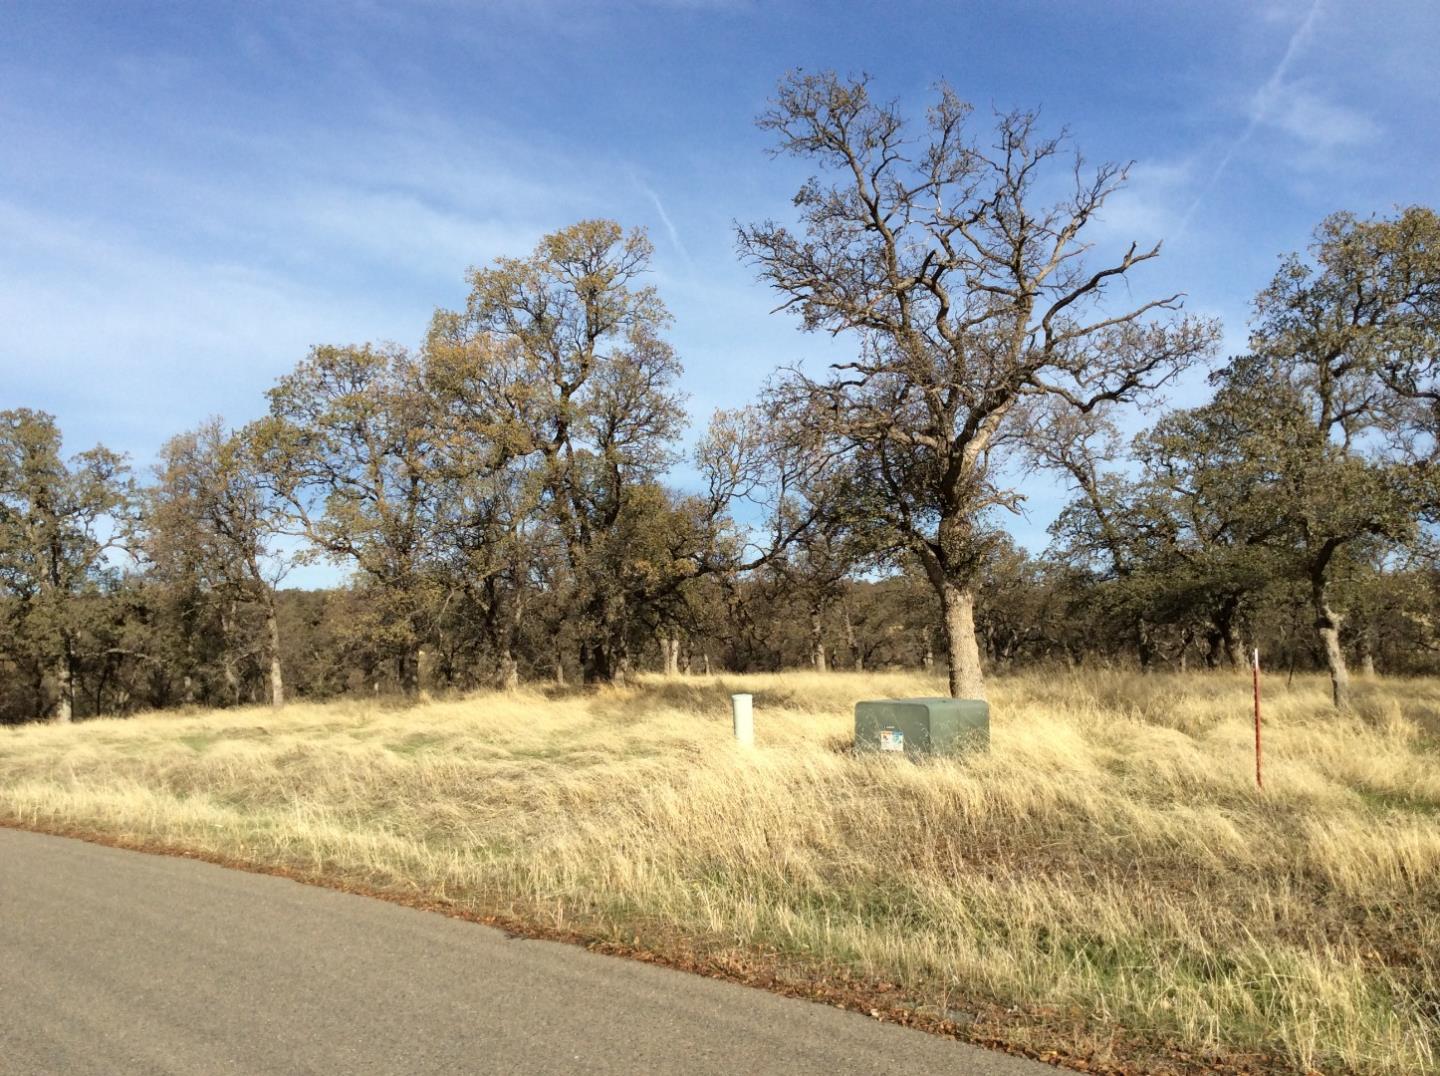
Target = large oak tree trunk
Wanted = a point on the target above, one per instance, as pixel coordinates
(967, 680)
(670, 652)
(817, 640)
(1327, 624)
(277, 675)
(1224, 637)
(857, 656)
(605, 662)
(605, 655)
(508, 676)
(227, 658)
(64, 710)
(1234, 652)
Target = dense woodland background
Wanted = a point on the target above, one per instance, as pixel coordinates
(499, 494)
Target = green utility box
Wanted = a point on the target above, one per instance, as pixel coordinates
(922, 726)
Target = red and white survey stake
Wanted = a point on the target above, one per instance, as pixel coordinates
(1255, 667)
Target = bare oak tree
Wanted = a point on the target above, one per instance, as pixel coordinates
(967, 303)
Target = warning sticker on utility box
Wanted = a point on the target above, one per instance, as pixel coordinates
(892, 740)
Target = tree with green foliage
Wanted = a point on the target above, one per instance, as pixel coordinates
(1374, 296)
(1111, 526)
(1342, 344)
(350, 448)
(58, 521)
(1320, 492)
(212, 518)
(1221, 536)
(559, 359)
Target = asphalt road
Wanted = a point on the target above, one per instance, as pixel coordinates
(115, 962)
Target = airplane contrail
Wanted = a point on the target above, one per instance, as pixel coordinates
(665, 220)
(1257, 114)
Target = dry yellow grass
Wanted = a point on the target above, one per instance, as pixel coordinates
(1107, 869)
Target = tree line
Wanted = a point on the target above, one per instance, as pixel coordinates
(499, 494)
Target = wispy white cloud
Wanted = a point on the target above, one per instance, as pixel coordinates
(196, 281)
(1149, 207)
(90, 306)
(1300, 109)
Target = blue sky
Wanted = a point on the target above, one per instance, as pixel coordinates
(192, 194)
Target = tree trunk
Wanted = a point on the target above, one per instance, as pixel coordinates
(232, 681)
(407, 667)
(1365, 651)
(227, 658)
(1214, 647)
(1327, 624)
(705, 662)
(277, 676)
(817, 640)
(927, 656)
(559, 671)
(967, 681)
(1144, 644)
(605, 655)
(187, 682)
(857, 658)
(64, 711)
(1224, 636)
(605, 662)
(670, 653)
(509, 675)
(1234, 652)
(97, 698)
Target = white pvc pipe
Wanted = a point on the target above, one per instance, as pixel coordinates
(744, 719)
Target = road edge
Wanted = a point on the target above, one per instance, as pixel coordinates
(871, 1003)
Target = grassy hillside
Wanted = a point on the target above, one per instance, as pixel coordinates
(1105, 884)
